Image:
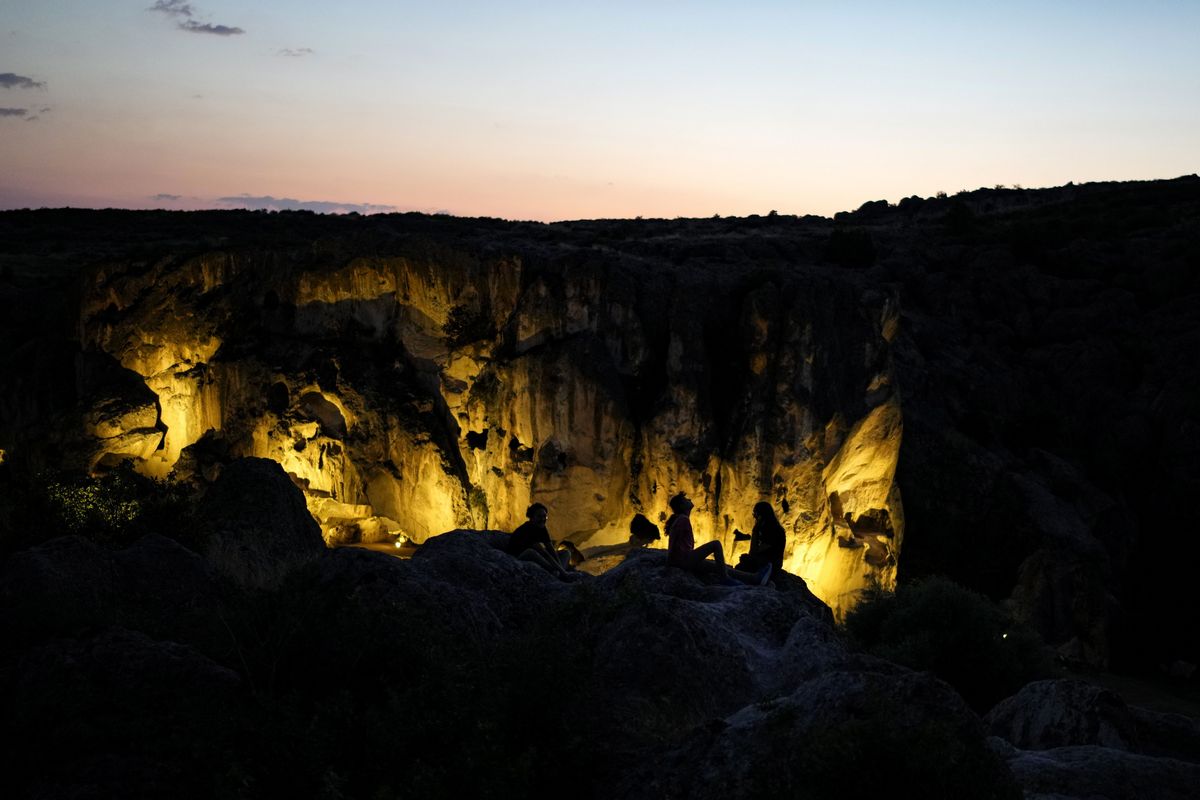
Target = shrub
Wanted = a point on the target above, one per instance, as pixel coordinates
(957, 634)
(113, 509)
(464, 326)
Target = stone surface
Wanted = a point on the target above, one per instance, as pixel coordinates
(1041, 344)
(1088, 771)
(450, 390)
(256, 527)
(839, 733)
(1057, 713)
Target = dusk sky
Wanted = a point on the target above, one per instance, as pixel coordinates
(548, 111)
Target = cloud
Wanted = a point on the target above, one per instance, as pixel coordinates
(298, 52)
(185, 11)
(174, 8)
(11, 80)
(13, 112)
(268, 203)
(166, 198)
(191, 26)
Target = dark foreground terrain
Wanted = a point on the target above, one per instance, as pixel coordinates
(199, 639)
(238, 657)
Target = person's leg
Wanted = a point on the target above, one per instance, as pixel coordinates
(539, 558)
(715, 568)
(758, 578)
(707, 549)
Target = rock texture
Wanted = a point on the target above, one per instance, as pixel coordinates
(644, 662)
(1019, 366)
(1070, 739)
(412, 387)
(1048, 714)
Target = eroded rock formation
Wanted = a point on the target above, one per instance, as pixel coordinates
(419, 392)
(416, 374)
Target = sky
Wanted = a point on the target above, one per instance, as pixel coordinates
(574, 110)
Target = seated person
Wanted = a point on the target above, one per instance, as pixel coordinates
(683, 553)
(531, 542)
(767, 541)
(642, 532)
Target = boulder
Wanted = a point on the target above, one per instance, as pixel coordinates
(840, 734)
(1071, 739)
(103, 716)
(1086, 772)
(1167, 735)
(70, 584)
(254, 523)
(1059, 713)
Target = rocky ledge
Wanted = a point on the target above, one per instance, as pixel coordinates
(181, 665)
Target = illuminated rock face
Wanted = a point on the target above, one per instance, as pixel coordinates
(415, 394)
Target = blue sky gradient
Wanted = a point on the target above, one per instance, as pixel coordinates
(534, 110)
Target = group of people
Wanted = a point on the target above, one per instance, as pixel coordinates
(531, 542)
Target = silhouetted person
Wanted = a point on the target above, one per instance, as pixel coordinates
(641, 533)
(643, 530)
(683, 553)
(767, 541)
(531, 542)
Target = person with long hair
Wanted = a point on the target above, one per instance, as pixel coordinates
(767, 540)
(683, 553)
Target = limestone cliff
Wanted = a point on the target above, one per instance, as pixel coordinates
(1021, 364)
(426, 389)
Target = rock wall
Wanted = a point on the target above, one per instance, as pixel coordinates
(1031, 355)
(414, 392)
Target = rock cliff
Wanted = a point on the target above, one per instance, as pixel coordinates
(427, 384)
(1018, 366)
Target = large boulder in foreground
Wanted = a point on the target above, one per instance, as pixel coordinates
(892, 733)
(70, 585)
(1068, 739)
(1087, 772)
(256, 526)
(112, 710)
(1057, 713)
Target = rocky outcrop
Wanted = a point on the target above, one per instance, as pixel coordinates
(1011, 373)
(253, 524)
(1077, 773)
(1057, 713)
(644, 658)
(1071, 739)
(842, 733)
(436, 388)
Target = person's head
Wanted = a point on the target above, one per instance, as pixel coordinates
(680, 503)
(764, 513)
(537, 513)
(643, 530)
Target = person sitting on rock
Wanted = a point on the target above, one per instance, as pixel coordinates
(683, 553)
(531, 542)
(642, 533)
(767, 541)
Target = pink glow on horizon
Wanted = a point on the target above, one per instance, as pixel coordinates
(541, 112)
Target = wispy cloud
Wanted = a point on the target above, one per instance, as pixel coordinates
(10, 80)
(185, 13)
(166, 198)
(175, 8)
(298, 52)
(13, 112)
(268, 203)
(191, 26)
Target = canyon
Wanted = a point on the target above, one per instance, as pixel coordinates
(996, 386)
